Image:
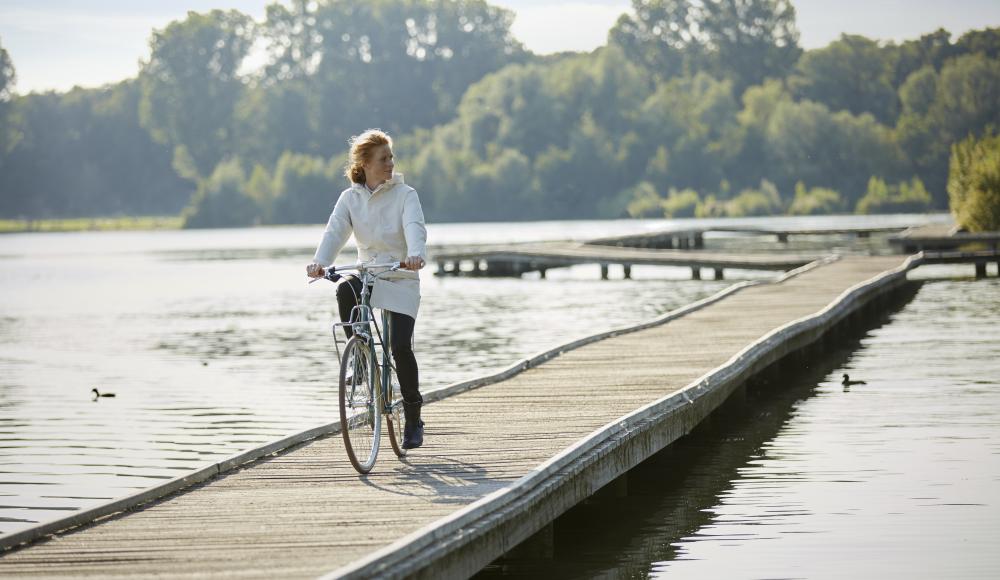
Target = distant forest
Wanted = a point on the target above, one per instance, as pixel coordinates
(706, 108)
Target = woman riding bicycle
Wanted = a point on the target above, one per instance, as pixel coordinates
(385, 216)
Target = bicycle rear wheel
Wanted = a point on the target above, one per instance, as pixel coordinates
(395, 416)
(360, 407)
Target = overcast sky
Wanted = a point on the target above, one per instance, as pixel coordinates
(56, 44)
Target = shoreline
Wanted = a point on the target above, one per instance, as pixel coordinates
(98, 224)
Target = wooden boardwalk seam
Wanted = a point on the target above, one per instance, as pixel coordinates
(500, 461)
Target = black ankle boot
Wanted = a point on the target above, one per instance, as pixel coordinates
(413, 433)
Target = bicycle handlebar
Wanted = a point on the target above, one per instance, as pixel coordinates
(332, 275)
(365, 266)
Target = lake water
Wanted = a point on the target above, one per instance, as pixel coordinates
(896, 478)
(213, 342)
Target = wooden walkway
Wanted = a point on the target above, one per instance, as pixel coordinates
(305, 512)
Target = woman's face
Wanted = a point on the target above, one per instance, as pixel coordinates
(379, 167)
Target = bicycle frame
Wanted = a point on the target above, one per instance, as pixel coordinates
(362, 320)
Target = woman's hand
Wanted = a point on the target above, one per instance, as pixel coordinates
(314, 270)
(413, 263)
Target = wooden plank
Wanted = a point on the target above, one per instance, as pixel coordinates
(306, 512)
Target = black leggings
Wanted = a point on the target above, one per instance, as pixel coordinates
(400, 336)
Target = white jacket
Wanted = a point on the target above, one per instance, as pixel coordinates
(388, 226)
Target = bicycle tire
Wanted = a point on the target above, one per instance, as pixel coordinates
(395, 417)
(360, 405)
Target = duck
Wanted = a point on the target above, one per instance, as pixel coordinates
(848, 382)
(98, 394)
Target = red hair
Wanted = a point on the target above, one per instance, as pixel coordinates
(362, 148)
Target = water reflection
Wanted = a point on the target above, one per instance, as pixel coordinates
(670, 496)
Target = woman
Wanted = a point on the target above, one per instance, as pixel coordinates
(385, 216)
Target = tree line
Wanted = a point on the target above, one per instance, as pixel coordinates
(706, 108)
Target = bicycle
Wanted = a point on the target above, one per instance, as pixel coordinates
(367, 389)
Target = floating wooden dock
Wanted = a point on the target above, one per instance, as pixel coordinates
(673, 247)
(694, 238)
(516, 260)
(943, 237)
(504, 455)
(945, 244)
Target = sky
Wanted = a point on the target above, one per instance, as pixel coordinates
(58, 44)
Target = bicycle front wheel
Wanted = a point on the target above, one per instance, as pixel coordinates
(360, 407)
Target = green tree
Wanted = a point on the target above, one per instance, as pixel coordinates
(750, 40)
(694, 121)
(272, 118)
(221, 200)
(260, 188)
(570, 122)
(644, 201)
(754, 161)
(815, 201)
(940, 109)
(562, 197)
(305, 188)
(985, 42)
(974, 183)
(745, 41)
(498, 186)
(9, 132)
(932, 50)
(681, 204)
(901, 198)
(395, 64)
(851, 74)
(805, 141)
(191, 83)
(661, 36)
(83, 153)
(761, 201)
